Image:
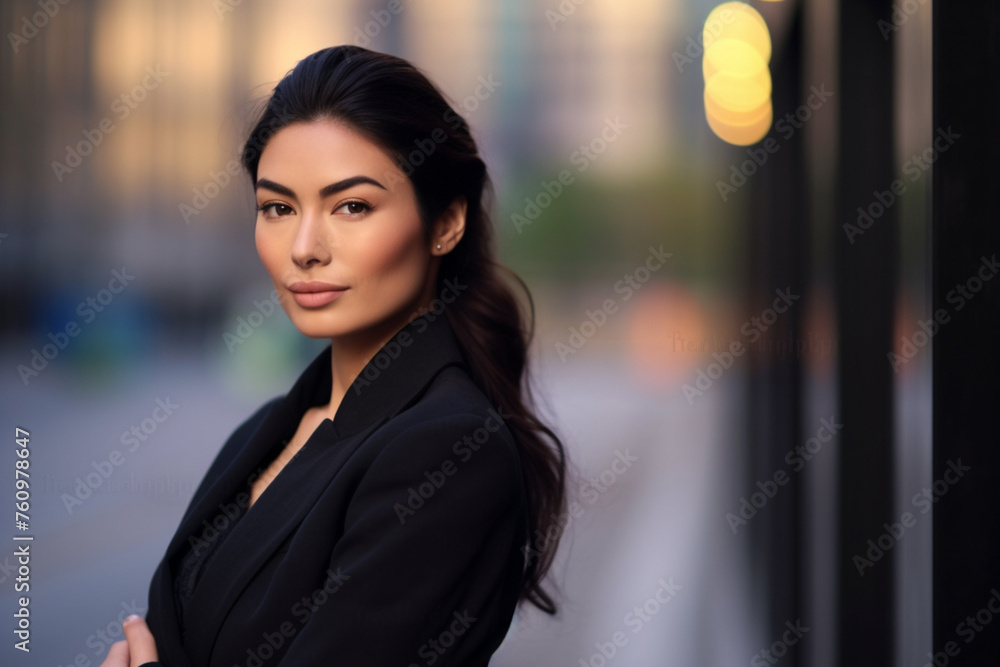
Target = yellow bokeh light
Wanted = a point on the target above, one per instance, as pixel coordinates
(736, 93)
(737, 78)
(742, 135)
(730, 117)
(736, 58)
(739, 21)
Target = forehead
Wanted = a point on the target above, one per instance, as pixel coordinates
(322, 150)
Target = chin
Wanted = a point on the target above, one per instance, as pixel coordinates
(314, 328)
(329, 324)
(335, 321)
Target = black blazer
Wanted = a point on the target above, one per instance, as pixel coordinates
(393, 537)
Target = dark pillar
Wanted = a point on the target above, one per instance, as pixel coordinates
(966, 348)
(778, 245)
(866, 285)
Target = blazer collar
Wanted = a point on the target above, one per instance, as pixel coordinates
(388, 382)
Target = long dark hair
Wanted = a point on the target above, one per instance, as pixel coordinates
(390, 102)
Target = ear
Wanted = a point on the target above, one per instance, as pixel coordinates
(449, 227)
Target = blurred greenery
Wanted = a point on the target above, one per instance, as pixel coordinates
(611, 222)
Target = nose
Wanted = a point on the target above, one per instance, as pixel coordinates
(311, 245)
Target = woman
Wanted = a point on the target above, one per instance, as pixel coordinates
(398, 504)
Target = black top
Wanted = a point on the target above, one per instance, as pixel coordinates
(189, 563)
(394, 536)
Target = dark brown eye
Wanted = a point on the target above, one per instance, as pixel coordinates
(274, 210)
(356, 207)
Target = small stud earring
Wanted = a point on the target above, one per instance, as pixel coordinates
(439, 246)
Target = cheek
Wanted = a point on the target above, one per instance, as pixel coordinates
(396, 258)
(262, 247)
(268, 250)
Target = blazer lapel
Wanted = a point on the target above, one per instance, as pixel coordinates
(267, 523)
(237, 461)
(244, 462)
(277, 425)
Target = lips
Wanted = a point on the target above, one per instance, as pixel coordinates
(314, 294)
(314, 286)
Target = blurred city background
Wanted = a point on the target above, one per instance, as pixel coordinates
(120, 122)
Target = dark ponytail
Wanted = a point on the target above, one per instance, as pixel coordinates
(389, 101)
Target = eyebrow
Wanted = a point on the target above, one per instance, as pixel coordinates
(326, 191)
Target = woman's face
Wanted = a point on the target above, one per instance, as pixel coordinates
(339, 231)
